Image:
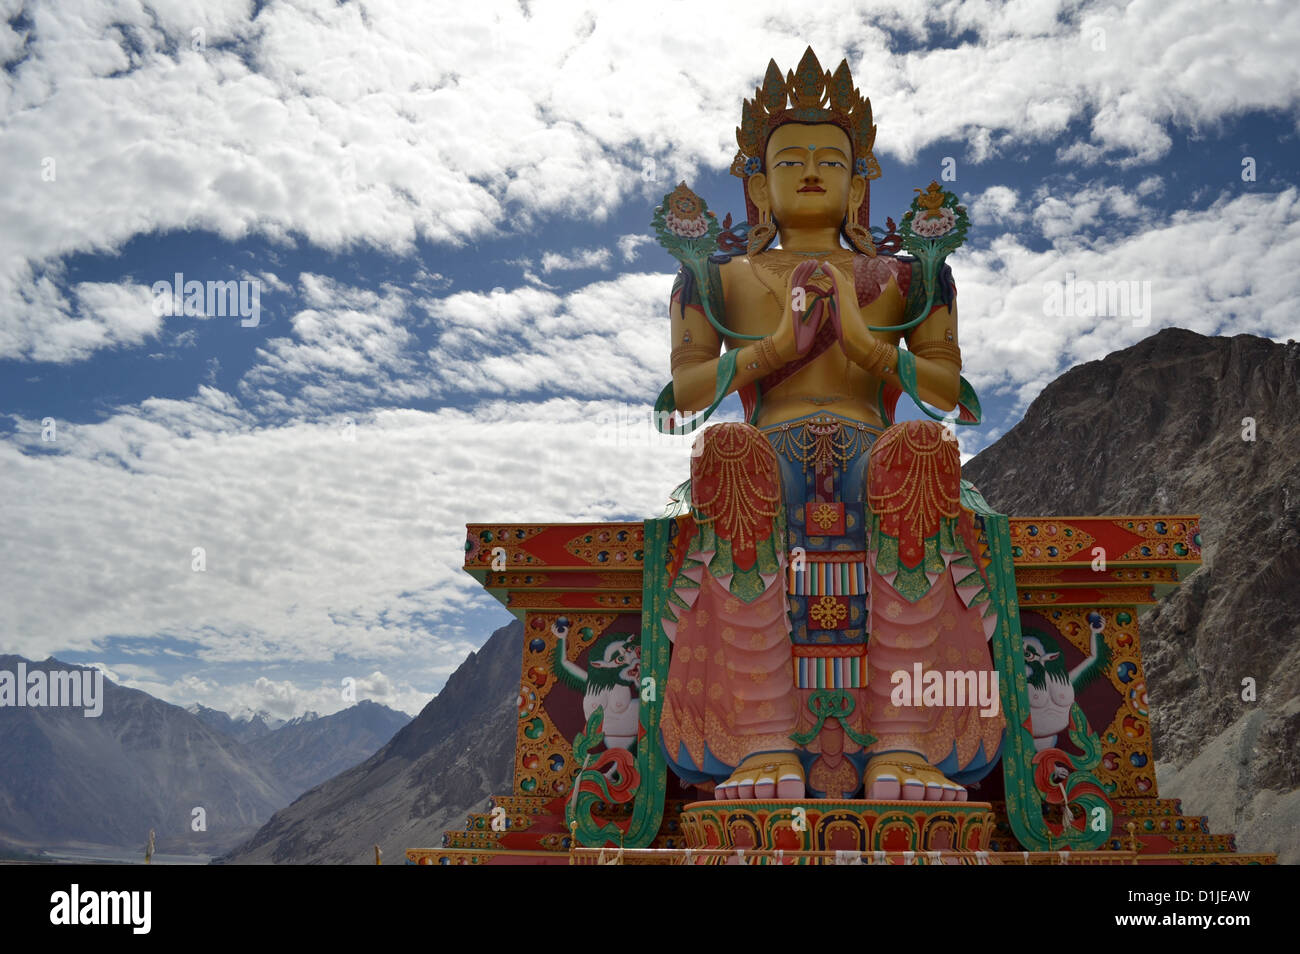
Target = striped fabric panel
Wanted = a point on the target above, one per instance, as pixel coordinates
(831, 672)
(846, 578)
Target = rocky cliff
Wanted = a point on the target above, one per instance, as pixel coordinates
(1182, 423)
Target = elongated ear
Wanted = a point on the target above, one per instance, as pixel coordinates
(857, 191)
(756, 188)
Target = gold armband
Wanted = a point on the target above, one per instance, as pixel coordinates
(690, 355)
(937, 349)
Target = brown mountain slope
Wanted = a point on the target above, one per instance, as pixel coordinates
(1158, 428)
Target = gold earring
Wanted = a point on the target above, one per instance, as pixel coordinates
(760, 236)
(860, 239)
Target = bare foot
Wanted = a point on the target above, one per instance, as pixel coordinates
(765, 775)
(906, 776)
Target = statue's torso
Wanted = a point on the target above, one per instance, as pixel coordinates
(830, 382)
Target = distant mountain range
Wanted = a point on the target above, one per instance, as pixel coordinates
(446, 762)
(244, 726)
(306, 751)
(146, 764)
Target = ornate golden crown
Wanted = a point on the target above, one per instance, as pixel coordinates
(806, 95)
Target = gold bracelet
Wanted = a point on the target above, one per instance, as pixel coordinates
(767, 360)
(888, 355)
(878, 361)
(937, 349)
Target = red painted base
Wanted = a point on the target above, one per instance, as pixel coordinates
(831, 825)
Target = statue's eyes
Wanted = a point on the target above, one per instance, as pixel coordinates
(798, 162)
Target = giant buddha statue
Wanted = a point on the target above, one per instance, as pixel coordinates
(829, 601)
(825, 625)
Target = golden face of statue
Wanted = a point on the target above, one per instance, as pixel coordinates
(809, 179)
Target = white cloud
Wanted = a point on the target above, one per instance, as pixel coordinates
(578, 258)
(1151, 185)
(350, 347)
(605, 338)
(270, 279)
(48, 320)
(998, 205)
(628, 245)
(1070, 217)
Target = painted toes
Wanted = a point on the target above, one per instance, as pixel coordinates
(790, 786)
(886, 788)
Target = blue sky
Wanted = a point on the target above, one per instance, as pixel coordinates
(461, 313)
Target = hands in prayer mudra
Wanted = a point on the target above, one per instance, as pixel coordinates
(827, 550)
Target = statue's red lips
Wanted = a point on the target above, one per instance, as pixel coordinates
(812, 189)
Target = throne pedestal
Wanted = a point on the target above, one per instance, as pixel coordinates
(591, 576)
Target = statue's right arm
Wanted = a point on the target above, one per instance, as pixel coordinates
(696, 349)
